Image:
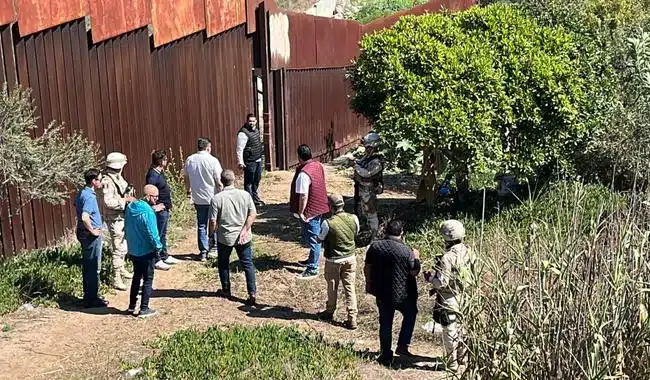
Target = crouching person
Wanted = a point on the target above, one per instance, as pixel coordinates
(144, 245)
(447, 287)
(338, 235)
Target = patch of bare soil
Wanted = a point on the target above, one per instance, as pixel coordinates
(102, 344)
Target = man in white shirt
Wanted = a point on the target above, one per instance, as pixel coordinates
(204, 173)
(249, 156)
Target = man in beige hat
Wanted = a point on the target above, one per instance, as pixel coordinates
(338, 235)
(116, 193)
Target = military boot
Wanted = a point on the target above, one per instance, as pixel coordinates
(118, 284)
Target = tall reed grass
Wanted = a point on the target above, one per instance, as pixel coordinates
(560, 289)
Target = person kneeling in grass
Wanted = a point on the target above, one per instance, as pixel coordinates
(144, 246)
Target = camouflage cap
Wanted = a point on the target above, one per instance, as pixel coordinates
(336, 200)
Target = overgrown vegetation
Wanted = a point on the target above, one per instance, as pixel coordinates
(183, 214)
(488, 90)
(560, 286)
(45, 277)
(43, 166)
(369, 10)
(264, 352)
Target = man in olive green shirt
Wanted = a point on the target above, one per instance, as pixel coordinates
(338, 235)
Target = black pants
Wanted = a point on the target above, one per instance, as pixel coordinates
(409, 310)
(252, 177)
(142, 270)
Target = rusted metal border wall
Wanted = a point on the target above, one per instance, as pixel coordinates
(126, 96)
(317, 113)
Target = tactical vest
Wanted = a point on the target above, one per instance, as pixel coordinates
(378, 179)
(339, 242)
(254, 148)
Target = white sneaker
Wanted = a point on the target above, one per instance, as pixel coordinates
(160, 265)
(171, 261)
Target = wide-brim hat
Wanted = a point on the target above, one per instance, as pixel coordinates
(116, 160)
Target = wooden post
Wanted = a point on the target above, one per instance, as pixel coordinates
(262, 21)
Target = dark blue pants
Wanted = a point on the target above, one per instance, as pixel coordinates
(252, 177)
(92, 264)
(245, 254)
(162, 219)
(409, 310)
(142, 271)
(202, 220)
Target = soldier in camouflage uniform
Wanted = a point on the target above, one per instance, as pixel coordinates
(447, 280)
(369, 182)
(116, 193)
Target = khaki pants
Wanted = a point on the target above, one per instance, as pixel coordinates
(116, 230)
(346, 273)
(451, 340)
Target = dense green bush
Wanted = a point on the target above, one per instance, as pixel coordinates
(487, 89)
(45, 277)
(183, 214)
(264, 352)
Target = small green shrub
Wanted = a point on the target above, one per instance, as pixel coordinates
(264, 352)
(45, 277)
(370, 10)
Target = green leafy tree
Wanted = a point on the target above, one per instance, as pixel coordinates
(44, 166)
(487, 90)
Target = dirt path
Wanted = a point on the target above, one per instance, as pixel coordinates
(75, 343)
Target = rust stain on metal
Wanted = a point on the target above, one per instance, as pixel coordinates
(110, 18)
(175, 19)
(7, 12)
(221, 15)
(251, 5)
(37, 15)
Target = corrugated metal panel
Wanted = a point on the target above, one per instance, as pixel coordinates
(430, 7)
(7, 12)
(222, 15)
(175, 19)
(315, 116)
(127, 98)
(37, 15)
(251, 5)
(302, 39)
(110, 18)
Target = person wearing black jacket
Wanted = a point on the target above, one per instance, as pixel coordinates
(391, 270)
(156, 177)
(249, 156)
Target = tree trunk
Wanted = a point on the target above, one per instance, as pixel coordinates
(462, 183)
(428, 189)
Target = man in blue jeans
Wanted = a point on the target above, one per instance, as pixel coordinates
(89, 224)
(141, 232)
(391, 270)
(156, 177)
(204, 173)
(233, 211)
(309, 202)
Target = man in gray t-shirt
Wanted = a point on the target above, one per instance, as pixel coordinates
(233, 211)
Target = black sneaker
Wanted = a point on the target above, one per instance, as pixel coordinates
(203, 256)
(224, 293)
(259, 203)
(404, 351)
(148, 312)
(308, 274)
(252, 300)
(95, 303)
(303, 263)
(385, 360)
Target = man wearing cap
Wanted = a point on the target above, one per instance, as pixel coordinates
(116, 194)
(338, 235)
(369, 182)
(447, 282)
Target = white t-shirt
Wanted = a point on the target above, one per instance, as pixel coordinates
(204, 171)
(302, 183)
